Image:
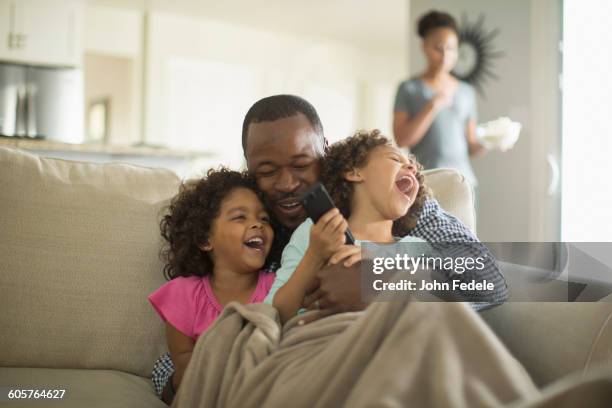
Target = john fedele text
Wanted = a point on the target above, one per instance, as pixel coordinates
(411, 264)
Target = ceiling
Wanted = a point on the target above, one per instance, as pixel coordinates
(377, 25)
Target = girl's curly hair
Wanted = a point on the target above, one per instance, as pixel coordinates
(190, 217)
(352, 153)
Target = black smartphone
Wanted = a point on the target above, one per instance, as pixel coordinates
(316, 202)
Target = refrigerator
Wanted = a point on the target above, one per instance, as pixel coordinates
(42, 103)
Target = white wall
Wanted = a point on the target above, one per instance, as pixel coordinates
(113, 45)
(587, 136)
(363, 23)
(514, 205)
(202, 76)
(109, 77)
(113, 31)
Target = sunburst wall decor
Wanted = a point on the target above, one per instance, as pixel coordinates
(476, 53)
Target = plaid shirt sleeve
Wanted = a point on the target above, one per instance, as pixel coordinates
(162, 371)
(445, 233)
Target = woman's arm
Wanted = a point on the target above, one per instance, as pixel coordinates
(474, 147)
(409, 131)
(180, 347)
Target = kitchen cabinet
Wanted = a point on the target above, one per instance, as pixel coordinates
(5, 28)
(41, 32)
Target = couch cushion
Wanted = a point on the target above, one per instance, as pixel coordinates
(79, 246)
(454, 193)
(84, 388)
(554, 339)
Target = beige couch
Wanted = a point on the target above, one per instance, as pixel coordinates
(79, 250)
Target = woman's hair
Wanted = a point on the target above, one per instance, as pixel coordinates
(190, 217)
(352, 153)
(433, 20)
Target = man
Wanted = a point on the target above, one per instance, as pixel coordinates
(283, 140)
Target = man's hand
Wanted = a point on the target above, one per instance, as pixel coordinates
(347, 255)
(339, 291)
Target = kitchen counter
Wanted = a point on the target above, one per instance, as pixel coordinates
(51, 146)
(185, 163)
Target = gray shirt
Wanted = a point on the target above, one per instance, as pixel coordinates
(444, 144)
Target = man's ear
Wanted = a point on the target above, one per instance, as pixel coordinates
(206, 247)
(354, 176)
(325, 145)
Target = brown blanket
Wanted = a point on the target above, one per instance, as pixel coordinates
(393, 354)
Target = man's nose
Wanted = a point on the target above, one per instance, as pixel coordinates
(286, 181)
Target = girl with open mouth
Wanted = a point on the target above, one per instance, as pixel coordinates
(379, 193)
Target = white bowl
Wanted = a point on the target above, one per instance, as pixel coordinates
(501, 133)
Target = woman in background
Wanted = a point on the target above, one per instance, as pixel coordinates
(435, 113)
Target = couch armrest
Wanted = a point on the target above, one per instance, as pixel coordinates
(454, 193)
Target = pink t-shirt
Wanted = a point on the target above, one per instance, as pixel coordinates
(189, 304)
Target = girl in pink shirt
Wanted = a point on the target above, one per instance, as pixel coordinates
(218, 237)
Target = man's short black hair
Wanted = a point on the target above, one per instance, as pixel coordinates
(278, 107)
